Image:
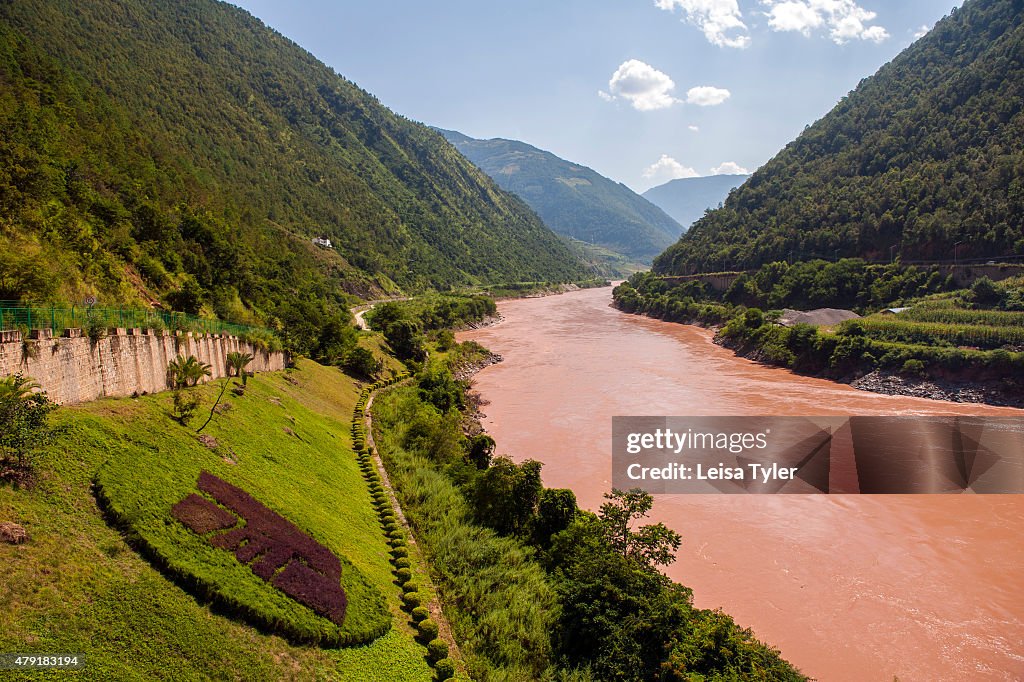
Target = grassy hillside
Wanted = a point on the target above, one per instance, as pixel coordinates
(923, 158)
(574, 201)
(78, 586)
(182, 152)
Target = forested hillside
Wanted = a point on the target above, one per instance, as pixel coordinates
(183, 153)
(926, 156)
(573, 200)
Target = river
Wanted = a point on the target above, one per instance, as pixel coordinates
(849, 587)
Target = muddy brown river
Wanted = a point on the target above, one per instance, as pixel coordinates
(849, 587)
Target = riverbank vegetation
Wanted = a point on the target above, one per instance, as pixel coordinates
(937, 329)
(536, 588)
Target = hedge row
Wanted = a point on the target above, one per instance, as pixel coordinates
(412, 599)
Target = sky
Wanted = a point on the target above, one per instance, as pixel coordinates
(642, 91)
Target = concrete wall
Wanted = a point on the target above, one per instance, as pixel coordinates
(73, 369)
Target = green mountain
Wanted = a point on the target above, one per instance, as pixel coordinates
(160, 147)
(574, 201)
(687, 199)
(926, 156)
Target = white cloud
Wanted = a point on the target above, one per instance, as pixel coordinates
(730, 168)
(794, 16)
(707, 96)
(921, 32)
(641, 85)
(720, 20)
(694, 129)
(666, 168)
(845, 19)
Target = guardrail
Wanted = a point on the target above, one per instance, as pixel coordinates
(17, 315)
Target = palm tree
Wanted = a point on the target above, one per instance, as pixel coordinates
(183, 372)
(16, 388)
(237, 362)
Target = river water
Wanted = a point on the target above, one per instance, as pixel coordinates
(849, 587)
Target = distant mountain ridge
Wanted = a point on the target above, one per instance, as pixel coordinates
(922, 161)
(687, 199)
(573, 200)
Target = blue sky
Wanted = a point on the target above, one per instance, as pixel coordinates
(640, 90)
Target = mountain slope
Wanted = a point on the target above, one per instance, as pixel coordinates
(687, 199)
(926, 156)
(149, 146)
(573, 200)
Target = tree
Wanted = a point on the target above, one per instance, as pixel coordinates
(236, 363)
(24, 426)
(556, 510)
(405, 339)
(362, 361)
(185, 372)
(479, 450)
(507, 495)
(650, 545)
(985, 292)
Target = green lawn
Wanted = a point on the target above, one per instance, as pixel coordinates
(77, 586)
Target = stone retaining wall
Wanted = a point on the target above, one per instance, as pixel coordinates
(74, 369)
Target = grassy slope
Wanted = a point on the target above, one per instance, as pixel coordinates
(77, 586)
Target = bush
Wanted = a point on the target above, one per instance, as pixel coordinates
(427, 628)
(24, 427)
(445, 669)
(437, 649)
(403, 574)
(411, 586)
(915, 367)
(186, 402)
(412, 600)
(420, 613)
(402, 563)
(400, 552)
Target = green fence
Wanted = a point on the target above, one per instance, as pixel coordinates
(16, 315)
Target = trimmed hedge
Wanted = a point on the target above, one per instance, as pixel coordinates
(427, 629)
(437, 649)
(445, 669)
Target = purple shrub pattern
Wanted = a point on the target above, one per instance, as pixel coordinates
(276, 550)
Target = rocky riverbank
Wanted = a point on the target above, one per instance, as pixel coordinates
(1004, 393)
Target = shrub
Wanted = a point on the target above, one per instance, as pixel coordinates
(24, 426)
(186, 402)
(445, 669)
(427, 628)
(411, 586)
(412, 599)
(420, 613)
(402, 563)
(403, 574)
(437, 649)
(915, 367)
(399, 552)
